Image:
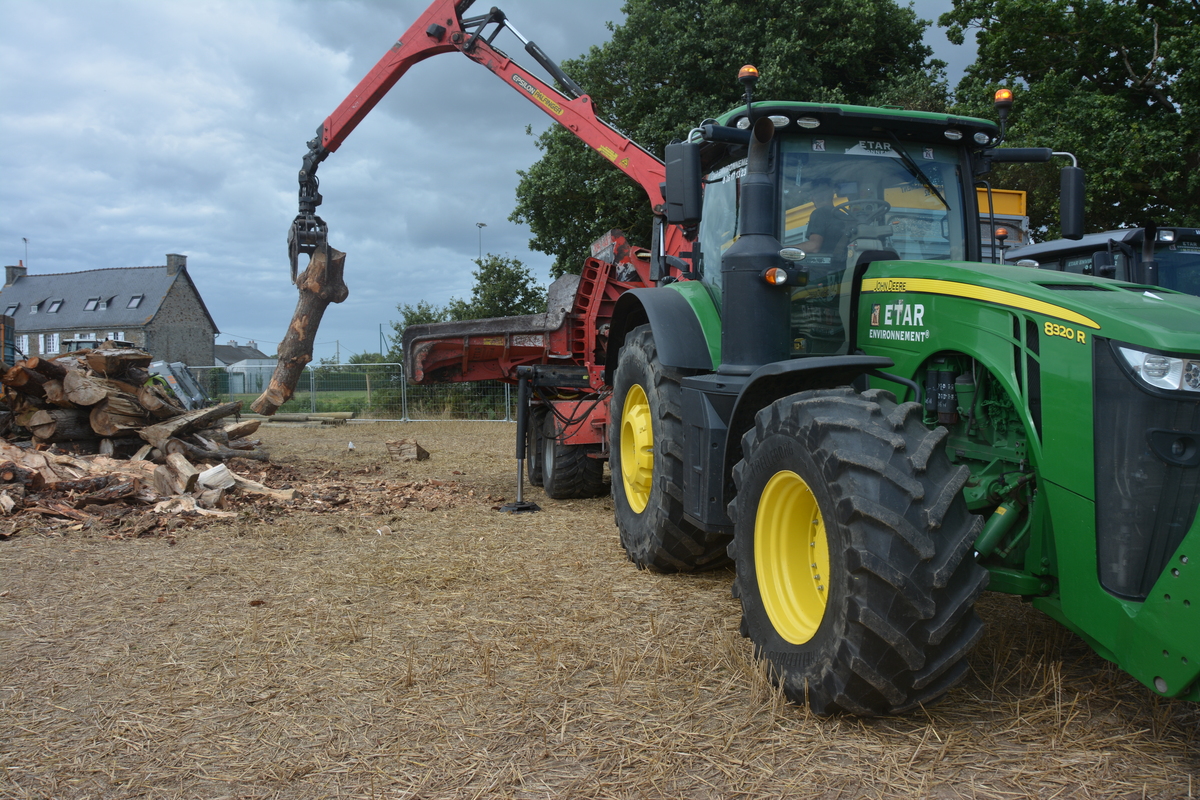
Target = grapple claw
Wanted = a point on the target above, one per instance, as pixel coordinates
(307, 233)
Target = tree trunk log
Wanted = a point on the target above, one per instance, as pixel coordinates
(24, 380)
(61, 425)
(218, 453)
(320, 285)
(46, 366)
(158, 435)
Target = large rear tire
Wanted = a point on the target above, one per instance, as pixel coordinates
(568, 470)
(853, 550)
(645, 458)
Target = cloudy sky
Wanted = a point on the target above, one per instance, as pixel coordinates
(136, 129)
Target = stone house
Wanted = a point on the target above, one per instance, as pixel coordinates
(155, 308)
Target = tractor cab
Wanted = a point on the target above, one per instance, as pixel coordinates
(852, 185)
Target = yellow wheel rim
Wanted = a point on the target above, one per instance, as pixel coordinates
(637, 449)
(791, 557)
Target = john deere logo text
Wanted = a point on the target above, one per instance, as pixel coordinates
(886, 285)
(538, 95)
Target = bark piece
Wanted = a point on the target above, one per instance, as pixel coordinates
(320, 284)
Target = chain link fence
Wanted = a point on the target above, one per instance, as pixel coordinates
(370, 391)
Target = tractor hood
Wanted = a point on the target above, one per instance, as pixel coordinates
(1148, 316)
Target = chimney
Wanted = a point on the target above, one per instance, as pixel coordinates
(175, 263)
(233, 343)
(12, 273)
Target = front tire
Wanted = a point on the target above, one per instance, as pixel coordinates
(645, 458)
(853, 550)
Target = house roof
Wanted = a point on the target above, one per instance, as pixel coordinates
(97, 298)
(232, 353)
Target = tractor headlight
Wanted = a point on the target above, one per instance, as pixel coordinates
(1173, 373)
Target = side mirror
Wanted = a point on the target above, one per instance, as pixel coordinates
(684, 186)
(1103, 264)
(1070, 201)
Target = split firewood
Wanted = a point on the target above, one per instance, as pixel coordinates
(116, 362)
(254, 487)
(159, 402)
(210, 498)
(164, 482)
(218, 477)
(142, 453)
(158, 434)
(186, 503)
(240, 430)
(320, 284)
(183, 471)
(7, 504)
(61, 425)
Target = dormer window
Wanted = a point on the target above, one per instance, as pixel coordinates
(135, 301)
(55, 305)
(33, 309)
(8, 312)
(92, 304)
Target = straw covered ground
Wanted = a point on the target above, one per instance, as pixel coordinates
(395, 637)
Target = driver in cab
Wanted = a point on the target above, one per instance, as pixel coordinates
(826, 226)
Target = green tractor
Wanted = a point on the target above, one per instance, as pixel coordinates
(875, 427)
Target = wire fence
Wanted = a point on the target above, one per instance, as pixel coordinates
(370, 391)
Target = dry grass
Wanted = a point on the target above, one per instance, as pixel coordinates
(468, 653)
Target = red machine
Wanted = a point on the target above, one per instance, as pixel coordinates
(559, 354)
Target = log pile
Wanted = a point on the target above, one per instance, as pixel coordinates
(100, 401)
(82, 411)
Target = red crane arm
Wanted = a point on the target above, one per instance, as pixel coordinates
(443, 29)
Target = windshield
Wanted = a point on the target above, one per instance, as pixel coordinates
(1178, 263)
(839, 197)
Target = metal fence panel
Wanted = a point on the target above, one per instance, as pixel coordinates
(370, 391)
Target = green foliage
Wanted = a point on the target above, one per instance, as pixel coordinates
(423, 313)
(674, 63)
(1115, 82)
(504, 287)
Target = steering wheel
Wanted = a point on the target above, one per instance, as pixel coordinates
(864, 212)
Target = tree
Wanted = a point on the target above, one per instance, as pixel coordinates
(423, 313)
(503, 287)
(673, 63)
(1115, 82)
